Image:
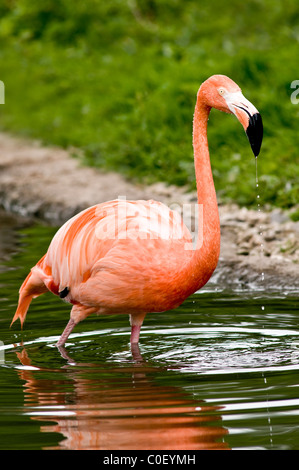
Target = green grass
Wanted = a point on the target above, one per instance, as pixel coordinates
(118, 80)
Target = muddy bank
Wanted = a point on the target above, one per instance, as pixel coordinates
(258, 249)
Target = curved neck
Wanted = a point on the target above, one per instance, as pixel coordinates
(206, 194)
(206, 254)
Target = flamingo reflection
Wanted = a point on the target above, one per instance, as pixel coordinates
(96, 407)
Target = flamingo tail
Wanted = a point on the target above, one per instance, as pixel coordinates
(32, 287)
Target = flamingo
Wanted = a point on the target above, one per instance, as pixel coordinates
(132, 256)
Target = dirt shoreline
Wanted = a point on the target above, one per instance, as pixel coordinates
(259, 250)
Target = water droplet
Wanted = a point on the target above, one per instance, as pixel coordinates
(256, 173)
(260, 227)
(263, 307)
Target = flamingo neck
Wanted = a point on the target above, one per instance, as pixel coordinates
(206, 254)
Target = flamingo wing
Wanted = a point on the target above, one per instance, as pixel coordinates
(88, 237)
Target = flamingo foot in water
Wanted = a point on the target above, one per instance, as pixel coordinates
(135, 332)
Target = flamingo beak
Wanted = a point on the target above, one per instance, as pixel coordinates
(249, 117)
(254, 133)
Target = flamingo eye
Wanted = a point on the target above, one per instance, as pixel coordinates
(221, 91)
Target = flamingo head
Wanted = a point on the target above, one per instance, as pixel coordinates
(222, 93)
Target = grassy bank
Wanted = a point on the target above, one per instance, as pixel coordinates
(118, 80)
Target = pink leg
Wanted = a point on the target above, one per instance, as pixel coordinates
(135, 332)
(136, 324)
(68, 329)
(78, 313)
(136, 352)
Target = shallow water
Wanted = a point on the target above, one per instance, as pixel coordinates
(220, 372)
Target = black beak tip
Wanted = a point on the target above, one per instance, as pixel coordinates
(254, 133)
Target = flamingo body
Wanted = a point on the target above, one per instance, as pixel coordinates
(123, 247)
(132, 250)
(135, 257)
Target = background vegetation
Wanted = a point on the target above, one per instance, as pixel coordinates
(118, 80)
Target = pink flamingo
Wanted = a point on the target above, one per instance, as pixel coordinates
(130, 256)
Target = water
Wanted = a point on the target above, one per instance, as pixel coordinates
(220, 372)
(259, 209)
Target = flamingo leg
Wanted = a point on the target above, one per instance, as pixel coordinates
(66, 332)
(78, 313)
(135, 332)
(136, 324)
